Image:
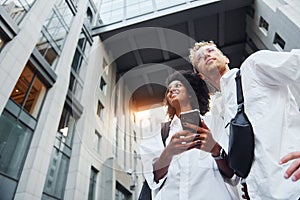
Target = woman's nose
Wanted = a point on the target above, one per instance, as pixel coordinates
(171, 90)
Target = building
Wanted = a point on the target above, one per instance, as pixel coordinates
(74, 73)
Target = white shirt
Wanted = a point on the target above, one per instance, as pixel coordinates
(275, 118)
(192, 175)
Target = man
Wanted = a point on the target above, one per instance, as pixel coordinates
(270, 107)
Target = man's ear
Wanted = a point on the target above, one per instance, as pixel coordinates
(201, 76)
(227, 61)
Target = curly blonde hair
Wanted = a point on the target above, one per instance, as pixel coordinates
(193, 51)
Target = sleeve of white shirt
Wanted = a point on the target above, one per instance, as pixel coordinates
(151, 149)
(275, 68)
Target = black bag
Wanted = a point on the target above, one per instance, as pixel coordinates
(146, 191)
(241, 138)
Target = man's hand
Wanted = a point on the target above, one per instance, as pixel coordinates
(294, 168)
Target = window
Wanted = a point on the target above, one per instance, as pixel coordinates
(100, 110)
(15, 139)
(122, 193)
(103, 85)
(6, 33)
(93, 184)
(3, 40)
(54, 32)
(78, 66)
(29, 92)
(112, 11)
(66, 127)
(89, 16)
(263, 24)
(97, 141)
(164, 4)
(56, 179)
(14, 143)
(140, 7)
(17, 8)
(279, 42)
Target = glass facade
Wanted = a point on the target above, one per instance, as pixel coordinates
(15, 139)
(56, 179)
(57, 176)
(29, 92)
(17, 9)
(113, 11)
(79, 61)
(54, 32)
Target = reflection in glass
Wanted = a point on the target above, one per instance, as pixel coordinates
(14, 143)
(57, 176)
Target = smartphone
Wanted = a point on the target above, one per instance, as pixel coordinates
(191, 117)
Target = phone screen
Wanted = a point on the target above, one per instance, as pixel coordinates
(191, 117)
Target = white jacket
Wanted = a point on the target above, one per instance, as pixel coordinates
(275, 117)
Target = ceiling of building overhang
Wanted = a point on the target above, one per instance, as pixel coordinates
(145, 53)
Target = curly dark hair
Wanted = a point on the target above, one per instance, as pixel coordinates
(196, 88)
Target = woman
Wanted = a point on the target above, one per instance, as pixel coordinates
(192, 165)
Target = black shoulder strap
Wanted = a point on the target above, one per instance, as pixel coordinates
(165, 128)
(239, 90)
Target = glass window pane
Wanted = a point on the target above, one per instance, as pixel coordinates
(57, 175)
(112, 11)
(14, 143)
(17, 8)
(54, 32)
(162, 4)
(92, 186)
(3, 41)
(30, 97)
(8, 187)
(140, 7)
(67, 126)
(21, 88)
(35, 98)
(116, 15)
